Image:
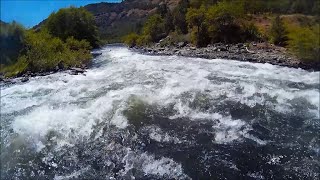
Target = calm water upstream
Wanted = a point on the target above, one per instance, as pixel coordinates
(134, 116)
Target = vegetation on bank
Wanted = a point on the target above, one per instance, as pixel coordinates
(64, 41)
(202, 22)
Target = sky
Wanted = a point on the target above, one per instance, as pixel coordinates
(31, 12)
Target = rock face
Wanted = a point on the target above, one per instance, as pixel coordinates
(252, 53)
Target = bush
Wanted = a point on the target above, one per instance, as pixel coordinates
(224, 20)
(251, 33)
(200, 37)
(16, 69)
(278, 32)
(144, 40)
(76, 45)
(196, 20)
(154, 27)
(65, 40)
(76, 22)
(131, 39)
(304, 42)
(42, 53)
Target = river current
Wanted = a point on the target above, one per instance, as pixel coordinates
(134, 116)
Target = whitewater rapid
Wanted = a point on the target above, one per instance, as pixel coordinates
(134, 116)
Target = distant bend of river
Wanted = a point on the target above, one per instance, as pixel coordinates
(134, 116)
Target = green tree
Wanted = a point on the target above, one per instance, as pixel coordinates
(131, 39)
(154, 28)
(224, 21)
(179, 16)
(76, 22)
(196, 18)
(278, 32)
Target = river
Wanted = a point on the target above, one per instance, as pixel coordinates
(134, 116)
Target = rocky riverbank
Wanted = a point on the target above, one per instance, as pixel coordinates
(25, 77)
(256, 53)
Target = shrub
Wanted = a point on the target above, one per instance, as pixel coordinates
(131, 39)
(76, 45)
(224, 21)
(196, 20)
(278, 32)
(16, 69)
(304, 42)
(200, 38)
(251, 33)
(76, 22)
(154, 27)
(42, 52)
(144, 40)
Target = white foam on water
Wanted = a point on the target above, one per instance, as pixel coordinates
(73, 175)
(155, 133)
(176, 75)
(228, 130)
(163, 167)
(72, 106)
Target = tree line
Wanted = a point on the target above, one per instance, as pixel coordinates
(64, 41)
(202, 22)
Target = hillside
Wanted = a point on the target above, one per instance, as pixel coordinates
(115, 20)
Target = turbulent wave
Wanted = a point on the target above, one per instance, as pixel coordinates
(163, 117)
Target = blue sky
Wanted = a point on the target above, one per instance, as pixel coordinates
(31, 12)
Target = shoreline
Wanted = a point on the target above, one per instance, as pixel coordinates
(239, 52)
(255, 53)
(26, 76)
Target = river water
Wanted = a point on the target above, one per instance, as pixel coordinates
(134, 116)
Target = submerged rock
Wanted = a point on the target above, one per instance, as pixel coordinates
(78, 70)
(95, 54)
(24, 79)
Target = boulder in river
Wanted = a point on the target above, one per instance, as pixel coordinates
(24, 79)
(95, 54)
(78, 70)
